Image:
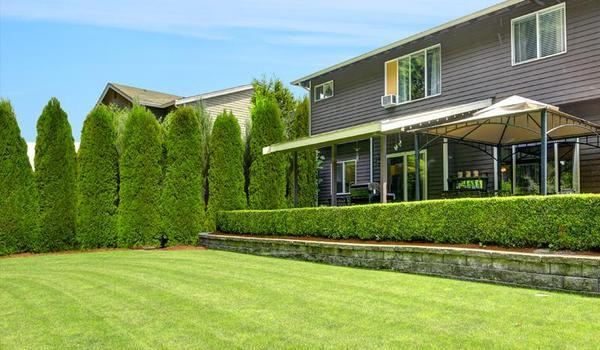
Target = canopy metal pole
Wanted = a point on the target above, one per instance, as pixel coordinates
(383, 172)
(544, 153)
(417, 168)
(295, 179)
(333, 176)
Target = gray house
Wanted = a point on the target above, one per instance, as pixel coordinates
(236, 100)
(500, 102)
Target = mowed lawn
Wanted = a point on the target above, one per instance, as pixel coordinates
(219, 300)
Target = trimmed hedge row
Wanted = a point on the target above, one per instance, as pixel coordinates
(557, 222)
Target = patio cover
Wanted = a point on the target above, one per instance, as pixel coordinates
(379, 127)
(515, 120)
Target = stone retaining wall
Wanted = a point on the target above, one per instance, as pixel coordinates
(545, 271)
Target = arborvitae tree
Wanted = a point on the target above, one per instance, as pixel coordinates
(55, 174)
(183, 196)
(97, 181)
(226, 171)
(205, 124)
(140, 169)
(306, 160)
(285, 100)
(18, 198)
(267, 172)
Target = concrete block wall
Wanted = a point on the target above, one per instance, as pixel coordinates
(574, 273)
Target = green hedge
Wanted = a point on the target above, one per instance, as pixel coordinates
(182, 198)
(558, 222)
(55, 174)
(97, 181)
(140, 167)
(19, 209)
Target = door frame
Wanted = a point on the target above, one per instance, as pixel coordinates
(405, 155)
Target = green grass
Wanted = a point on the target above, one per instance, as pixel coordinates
(212, 299)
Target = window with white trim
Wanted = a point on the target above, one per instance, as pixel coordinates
(323, 91)
(415, 76)
(345, 174)
(540, 34)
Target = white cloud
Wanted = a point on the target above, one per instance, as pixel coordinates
(295, 22)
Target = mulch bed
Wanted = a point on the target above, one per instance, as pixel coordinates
(428, 244)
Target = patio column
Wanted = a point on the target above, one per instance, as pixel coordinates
(383, 172)
(544, 152)
(417, 168)
(295, 164)
(333, 176)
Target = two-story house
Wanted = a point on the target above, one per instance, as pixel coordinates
(502, 101)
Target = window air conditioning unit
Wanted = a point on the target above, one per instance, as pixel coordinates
(389, 101)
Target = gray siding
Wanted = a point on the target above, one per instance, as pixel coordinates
(238, 103)
(476, 64)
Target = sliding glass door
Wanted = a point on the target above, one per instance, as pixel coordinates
(401, 176)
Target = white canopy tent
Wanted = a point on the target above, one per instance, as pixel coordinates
(517, 120)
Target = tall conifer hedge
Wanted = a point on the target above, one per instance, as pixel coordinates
(97, 181)
(267, 172)
(18, 198)
(183, 196)
(226, 171)
(55, 174)
(140, 171)
(307, 159)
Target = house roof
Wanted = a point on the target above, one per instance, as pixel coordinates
(144, 97)
(217, 93)
(487, 11)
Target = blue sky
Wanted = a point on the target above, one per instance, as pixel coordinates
(70, 49)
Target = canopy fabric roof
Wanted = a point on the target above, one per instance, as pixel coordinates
(379, 127)
(515, 120)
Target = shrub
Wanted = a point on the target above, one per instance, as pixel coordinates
(226, 171)
(18, 197)
(183, 196)
(97, 181)
(306, 159)
(55, 174)
(266, 189)
(556, 222)
(140, 176)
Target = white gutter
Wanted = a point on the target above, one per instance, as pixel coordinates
(367, 130)
(461, 20)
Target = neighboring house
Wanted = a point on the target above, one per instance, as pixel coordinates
(124, 96)
(441, 97)
(236, 100)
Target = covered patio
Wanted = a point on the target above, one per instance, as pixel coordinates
(486, 126)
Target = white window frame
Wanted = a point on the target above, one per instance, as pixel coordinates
(343, 162)
(404, 155)
(323, 84)
(537, 29)
(409, 75)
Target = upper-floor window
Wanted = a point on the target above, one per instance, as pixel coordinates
(539, 34)
(415, 76)
(323, 91)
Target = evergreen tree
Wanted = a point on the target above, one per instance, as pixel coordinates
(18, 198)
(267, 172)
(307, 164)
(97, 181)
(183, 196)
(226, 171)
(55, 174)
(139, 221)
